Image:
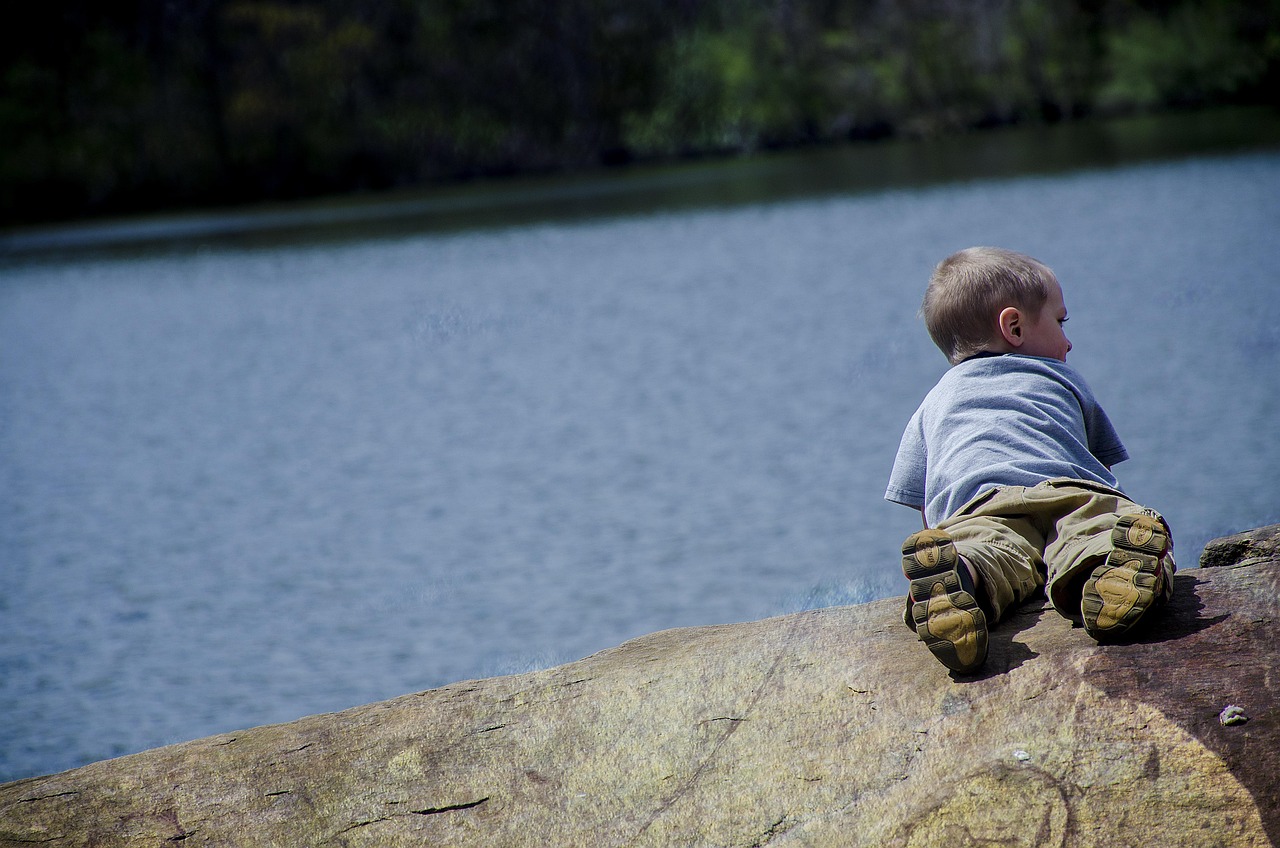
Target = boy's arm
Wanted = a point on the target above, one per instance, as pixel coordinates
(907, 478)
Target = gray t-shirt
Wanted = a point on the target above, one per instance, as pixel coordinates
(994, 421)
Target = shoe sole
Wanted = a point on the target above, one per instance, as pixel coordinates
(946, 614)
(1125, 587)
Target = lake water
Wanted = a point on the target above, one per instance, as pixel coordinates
(259, 466)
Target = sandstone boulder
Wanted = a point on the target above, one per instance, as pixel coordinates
(831, 727)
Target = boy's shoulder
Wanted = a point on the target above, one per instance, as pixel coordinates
(984, 367)
(1011, 377)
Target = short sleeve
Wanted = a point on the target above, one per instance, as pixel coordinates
(907, 479)
(1104, 441)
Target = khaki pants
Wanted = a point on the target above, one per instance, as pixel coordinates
(1050, 536)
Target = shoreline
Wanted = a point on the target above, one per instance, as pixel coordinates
(695, 181)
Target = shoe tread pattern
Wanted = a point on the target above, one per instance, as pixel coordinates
(1122, 590)
(945, 612)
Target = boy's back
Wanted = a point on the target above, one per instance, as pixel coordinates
(1008, 420)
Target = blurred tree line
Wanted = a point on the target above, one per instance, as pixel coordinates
(125, 105)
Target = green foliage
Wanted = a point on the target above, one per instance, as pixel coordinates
(719, 92)
(109, 107)
(1053, 57)
(293, 92)
(1190, 55)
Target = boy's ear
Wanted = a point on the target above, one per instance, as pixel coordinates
(1011, 325)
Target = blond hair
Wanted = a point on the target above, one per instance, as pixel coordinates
(968, 290)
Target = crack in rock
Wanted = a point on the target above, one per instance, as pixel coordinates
(37, 798)
(778, 827)
(431, 811)
(426, 811)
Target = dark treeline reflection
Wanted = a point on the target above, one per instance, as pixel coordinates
(110, 106)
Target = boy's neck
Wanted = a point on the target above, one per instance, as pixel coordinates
(983, 354)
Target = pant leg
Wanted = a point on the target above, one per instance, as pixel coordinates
(1004, 543)
(1083, 515)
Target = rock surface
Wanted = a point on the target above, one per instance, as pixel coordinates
(830, 727)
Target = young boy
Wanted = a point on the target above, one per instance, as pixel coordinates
(1009, 460)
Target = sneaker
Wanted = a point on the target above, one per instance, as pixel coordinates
(943, 601)
(1134, 579)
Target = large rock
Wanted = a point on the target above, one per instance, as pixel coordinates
(830, 727)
